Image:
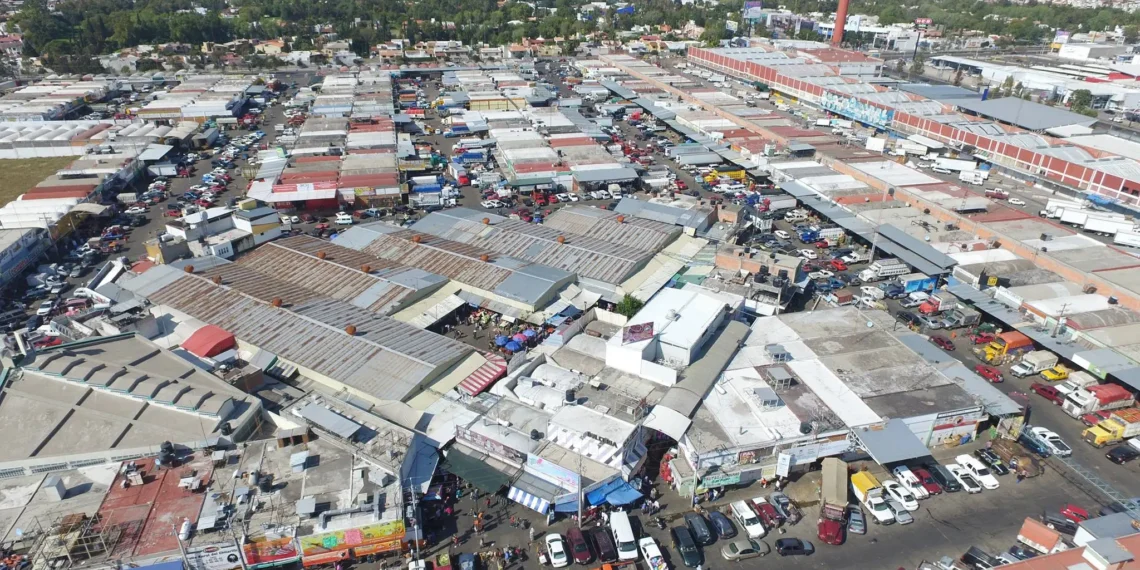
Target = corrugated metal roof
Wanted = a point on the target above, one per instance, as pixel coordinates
(686, 395)
(386, 358)
(454, 260)
(329, 420)
(587, 256)
(640, 233)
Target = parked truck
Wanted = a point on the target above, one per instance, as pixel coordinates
(1130, 239)
(833, 493)
(870, 493)
(1055, 206)
(1007, 343)
(917, 282)
(960, 316)
(976, 177)
(1057, 373)
(996, 193)
(1077, 380)
(1098, 398)
(1105, 226)
(1119, 426)
(939, 301)
(1033, 363)
(884, 269)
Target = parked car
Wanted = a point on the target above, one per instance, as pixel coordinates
(980, 472)
(1074, 513)
(900, 494)
(856, 522)
(1058, 522)
(1022, 553)
(964, 479)
(794, 547)
(902, 514)
(699, 528)
(942, 342)
(603, 543)
(722, 524)
(744, 549)
(991, 373)
(784, 505)
(1052, 441)
(928, 482)
(579, 548)
(686, 547)
(1048, 392)
(767, 513)
(1122, 454)
(556, 550)
(992, 461)
(45, 308)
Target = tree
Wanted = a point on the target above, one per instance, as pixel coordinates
(1080, 99)
(1018, 89)
(900, 65)
(957, 78)
(1131, 34)
(1006, 88)
(917, 67)
(629, 306)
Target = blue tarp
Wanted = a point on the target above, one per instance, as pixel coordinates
(598, 496)
(623, 495)
(569, 506)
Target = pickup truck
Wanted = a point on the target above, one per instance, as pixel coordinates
(1056, 373)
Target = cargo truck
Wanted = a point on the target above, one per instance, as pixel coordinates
(1076, 381)
(976, 177)
(1121, 425)
(1054, 207)
(870, 493)
(960, 316)
(1101, 397)
(1130, 239)
(1033, 363)
(1074, 217)
(939, 301)
(1057, 373)
(1108, 226)
(1007, 343)
(833, 493)
(917, 282)
(884, 269)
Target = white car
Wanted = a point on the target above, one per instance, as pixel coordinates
(604, 195)
(807, 254)
(556, 548)
(967, 481)
(980, 472)
(295, 219)
(136, 210)
(900, 494)
(45, 308)
(563, 197)
(491, 204)
(1017, 201)
(908, 479)
(1053, 441)
(574, 197)
(782, 234)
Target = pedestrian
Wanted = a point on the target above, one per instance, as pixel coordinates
(532, 534)
(488, 502)
(482, 542)
(989, 445)
(1020, 476)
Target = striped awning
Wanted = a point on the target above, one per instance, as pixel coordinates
(485, 375)
(528, 500)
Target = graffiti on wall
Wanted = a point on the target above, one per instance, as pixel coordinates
(853, 108)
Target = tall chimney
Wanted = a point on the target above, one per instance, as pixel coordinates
(840, 23)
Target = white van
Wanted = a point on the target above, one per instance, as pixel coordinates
(941, 170)
(623, 536)
(747, 519)
(344, 218)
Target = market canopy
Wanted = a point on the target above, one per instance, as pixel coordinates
(209, 341)
(475, 471)
(891, 443)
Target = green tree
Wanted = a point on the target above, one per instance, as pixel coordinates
(917, 66)
(1131, 34)
(900, 65)
(1006, 88)
(629, 306)
(1080, 99)
(957, 78)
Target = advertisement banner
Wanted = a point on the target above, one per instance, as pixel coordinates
(326, 558)
(213, 558)
(480, 441)
(753, 10)
(922, 23)
(731, 25)
(552, 472)
(1061, 37)
(637, 333)
(390, 546)
(353, 537)
(861, 111)
(267, 553)
(720, 480)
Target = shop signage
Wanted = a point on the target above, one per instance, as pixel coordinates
(350, 538)
(270, 552)
(213, 558)
(720, 480)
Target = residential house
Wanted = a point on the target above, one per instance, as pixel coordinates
(270, 47)
(12, 45)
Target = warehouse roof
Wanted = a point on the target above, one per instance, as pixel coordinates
(386, 358)
(586, 256)
(1022, 113)
(690, 218)
(641, 233)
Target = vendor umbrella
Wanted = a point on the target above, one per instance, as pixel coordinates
(528, 333)
(501, 340)
(513, 346)
(519, 337)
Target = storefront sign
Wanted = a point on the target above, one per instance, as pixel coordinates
(350, 538)
(720, 480)
(480, 441)
(390, 546)
(213, 558)
(326, 558)
(783, 464)
(552, 472)
(270, 552)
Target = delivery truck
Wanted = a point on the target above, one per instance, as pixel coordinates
(1108, 226)
(1130, 239)
(917, 282)
(870, 494)
(1098, 398)
(1033, 363)
(1077, 379)
(955, 165)
(976, 177)
(884, 269)
(833, 495)
(1055, 206)
(1006, 344)
(1119, 426)
(960, 316)
(939, 301)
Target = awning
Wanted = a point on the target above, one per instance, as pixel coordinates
(475, 471)
(90, 208)
(891, 443)
(209, 341)
(437, 312)
(484, 376)
(623, 495)
(528, 500)
(668, 421)
(155, 152)
(598, 496)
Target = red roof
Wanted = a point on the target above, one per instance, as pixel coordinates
(318, 158)
(485, 375)
(45, 195)
(309, 177)
(373, 180)
(140, 267)
(209, 341)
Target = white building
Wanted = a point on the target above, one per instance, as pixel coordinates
(225, 232)
(678, 323)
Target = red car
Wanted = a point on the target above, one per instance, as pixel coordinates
(982, 338)
(942, 342)
(1048, 392)
(1095, 417)
(838, 265)
(578, 546)
(831, 531)
(1074, 513)
(766, 512)
(989, 373)
(48, 341)
(927, 481)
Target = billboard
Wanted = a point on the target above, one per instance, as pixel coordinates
(753, 10)
(731, 25)
(922, 23)
(370, 535)
(552, 472)
(267, 553)
(479, 441)
(637, 333)
(1061, 37)
(213, 558)
(861, 111)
